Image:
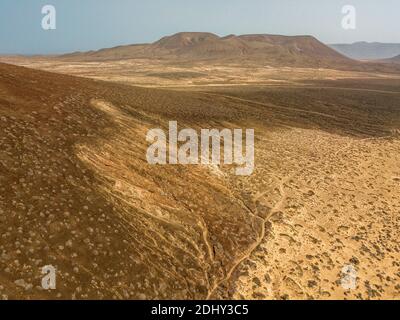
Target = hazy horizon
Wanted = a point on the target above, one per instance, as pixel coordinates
(92, 25)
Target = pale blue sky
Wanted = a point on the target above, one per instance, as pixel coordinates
(94, 24)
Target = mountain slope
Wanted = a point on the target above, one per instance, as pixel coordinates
(76, 192)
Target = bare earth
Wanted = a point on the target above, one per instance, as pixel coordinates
(76, 190)
(164, 73)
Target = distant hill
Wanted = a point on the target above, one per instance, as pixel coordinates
(395, 60)
(368, 50)
(274, 49)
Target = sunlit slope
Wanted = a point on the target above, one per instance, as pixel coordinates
(76, 191)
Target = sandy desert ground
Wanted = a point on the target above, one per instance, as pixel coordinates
(76, 190)
(170, 74)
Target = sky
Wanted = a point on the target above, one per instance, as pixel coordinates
(83, 25)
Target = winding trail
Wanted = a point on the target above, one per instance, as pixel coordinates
(278, 206)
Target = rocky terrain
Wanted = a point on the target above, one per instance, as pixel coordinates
(76, 191)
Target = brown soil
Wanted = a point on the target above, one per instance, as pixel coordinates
(77, 192)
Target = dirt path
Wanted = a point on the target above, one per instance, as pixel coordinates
(278, 206)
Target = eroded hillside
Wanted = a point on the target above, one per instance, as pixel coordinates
(77, 192)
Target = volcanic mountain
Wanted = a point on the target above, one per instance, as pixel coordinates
(193, 46)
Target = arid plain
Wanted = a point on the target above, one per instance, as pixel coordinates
(77, 192)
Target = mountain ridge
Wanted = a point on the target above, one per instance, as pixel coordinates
(301, 49)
